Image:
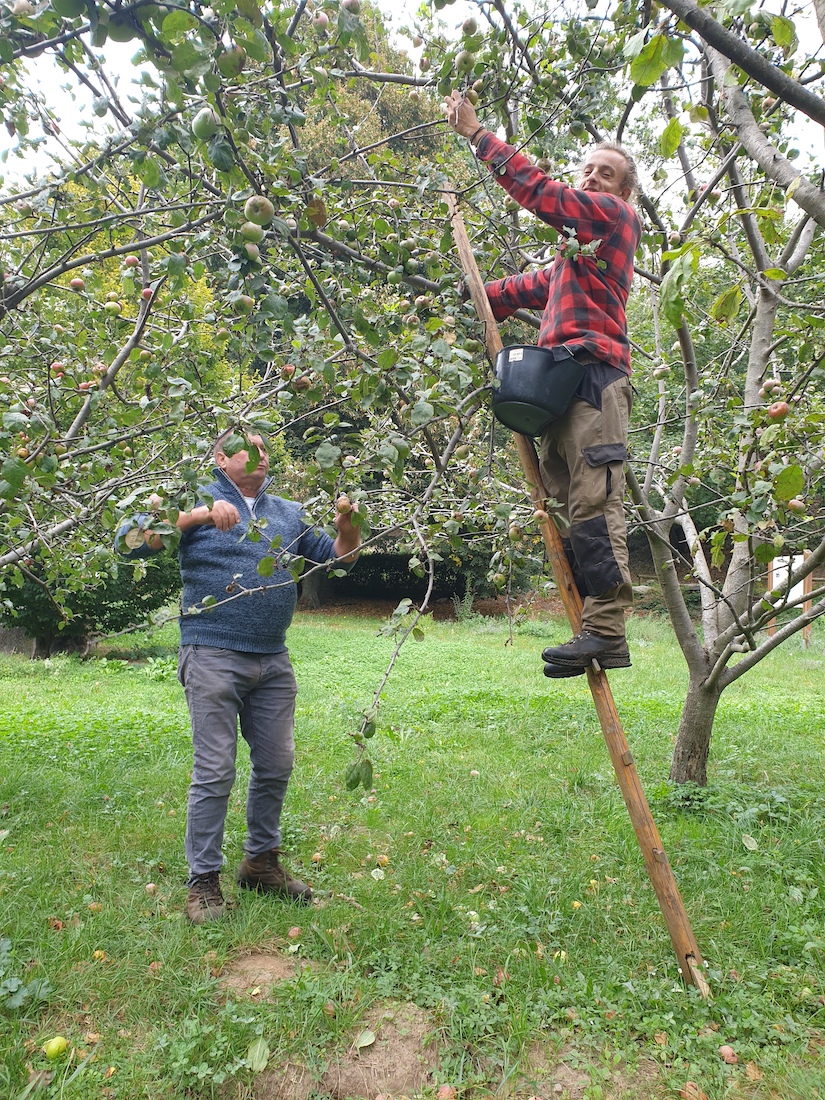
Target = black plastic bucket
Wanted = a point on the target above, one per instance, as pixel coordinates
(535, 386)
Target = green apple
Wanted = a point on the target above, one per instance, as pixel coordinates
(252, 232)
(55, 1047)
(465, 61)
(205, 124)
(122, 28)
(244, 304)
(231, 62)
(259, 209)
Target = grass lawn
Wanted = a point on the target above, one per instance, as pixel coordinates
(490, 886)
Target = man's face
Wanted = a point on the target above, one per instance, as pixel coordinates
(604, 170)
(234, 466)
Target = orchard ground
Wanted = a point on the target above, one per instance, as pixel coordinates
(483, 922)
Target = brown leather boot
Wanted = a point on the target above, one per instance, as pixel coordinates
(205, 902)
(266, 874)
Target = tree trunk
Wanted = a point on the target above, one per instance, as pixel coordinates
(690, 754)
(314, 590)
(42, 647)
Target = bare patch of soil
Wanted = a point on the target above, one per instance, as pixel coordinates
(401, 1062)
(254, 975)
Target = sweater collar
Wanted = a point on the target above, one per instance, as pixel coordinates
(227, 484)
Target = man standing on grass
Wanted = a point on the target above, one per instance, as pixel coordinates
(583, 295)
(234, 664)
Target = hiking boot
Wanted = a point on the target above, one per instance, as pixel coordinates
(205, 902)
(587, 647)
(266, 874)
(561, 672)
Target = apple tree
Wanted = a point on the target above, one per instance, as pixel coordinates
(255, 233)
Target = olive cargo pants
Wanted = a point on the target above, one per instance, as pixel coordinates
(582, 463)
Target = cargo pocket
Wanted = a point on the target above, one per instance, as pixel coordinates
(606, 454)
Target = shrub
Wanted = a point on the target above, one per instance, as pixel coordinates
(110, 603)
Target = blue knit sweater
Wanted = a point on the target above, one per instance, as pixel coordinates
(210, 559)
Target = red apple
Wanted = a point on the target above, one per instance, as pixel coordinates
(287, 371)
(57, 367)
(320, 21)
(797, 506)
(146, 294)
(131, 261)
(77, 283)
(778, 410)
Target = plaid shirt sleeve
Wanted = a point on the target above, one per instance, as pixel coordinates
(583, 298)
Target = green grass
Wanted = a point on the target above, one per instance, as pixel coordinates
(496, 808)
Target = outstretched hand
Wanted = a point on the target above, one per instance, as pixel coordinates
(461, 114)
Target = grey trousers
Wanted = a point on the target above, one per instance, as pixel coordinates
(222, 686)
(583, 457)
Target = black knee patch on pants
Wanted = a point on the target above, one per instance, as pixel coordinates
(593, 550)
(578, 576)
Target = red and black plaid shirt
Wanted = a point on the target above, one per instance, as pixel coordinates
(583, 298)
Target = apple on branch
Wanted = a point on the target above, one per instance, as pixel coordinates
(778, 410)
(259, 210)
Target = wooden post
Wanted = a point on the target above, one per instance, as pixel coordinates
(807, 588)
(658, 868)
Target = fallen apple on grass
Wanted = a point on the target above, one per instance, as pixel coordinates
(53, 1048)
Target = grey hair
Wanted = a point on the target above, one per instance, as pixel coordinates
(631, 172)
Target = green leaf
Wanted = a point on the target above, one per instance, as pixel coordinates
(651, 62)
(327, 455)
(387, 359)
(634, 46)
(671, 138)
(789, 482)
(296, 568)
(365, 775)
(221, 154)
(179, 20)
(776, 274)
(749, 842)
(150, 172)
(266, 566)
(352, 776)
(765, 552)
(422, 413)
(674, 285)
(176, 263)
(256, 45)
(258, 1055)
(14, 471)
(784, 34)
(274, 306)
(726, 306)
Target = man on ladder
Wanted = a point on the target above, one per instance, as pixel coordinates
(583, 295)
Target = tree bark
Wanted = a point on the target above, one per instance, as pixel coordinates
(690, 754)
(42, 647)
(314, 590)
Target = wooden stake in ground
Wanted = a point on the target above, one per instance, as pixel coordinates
(656, 861)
